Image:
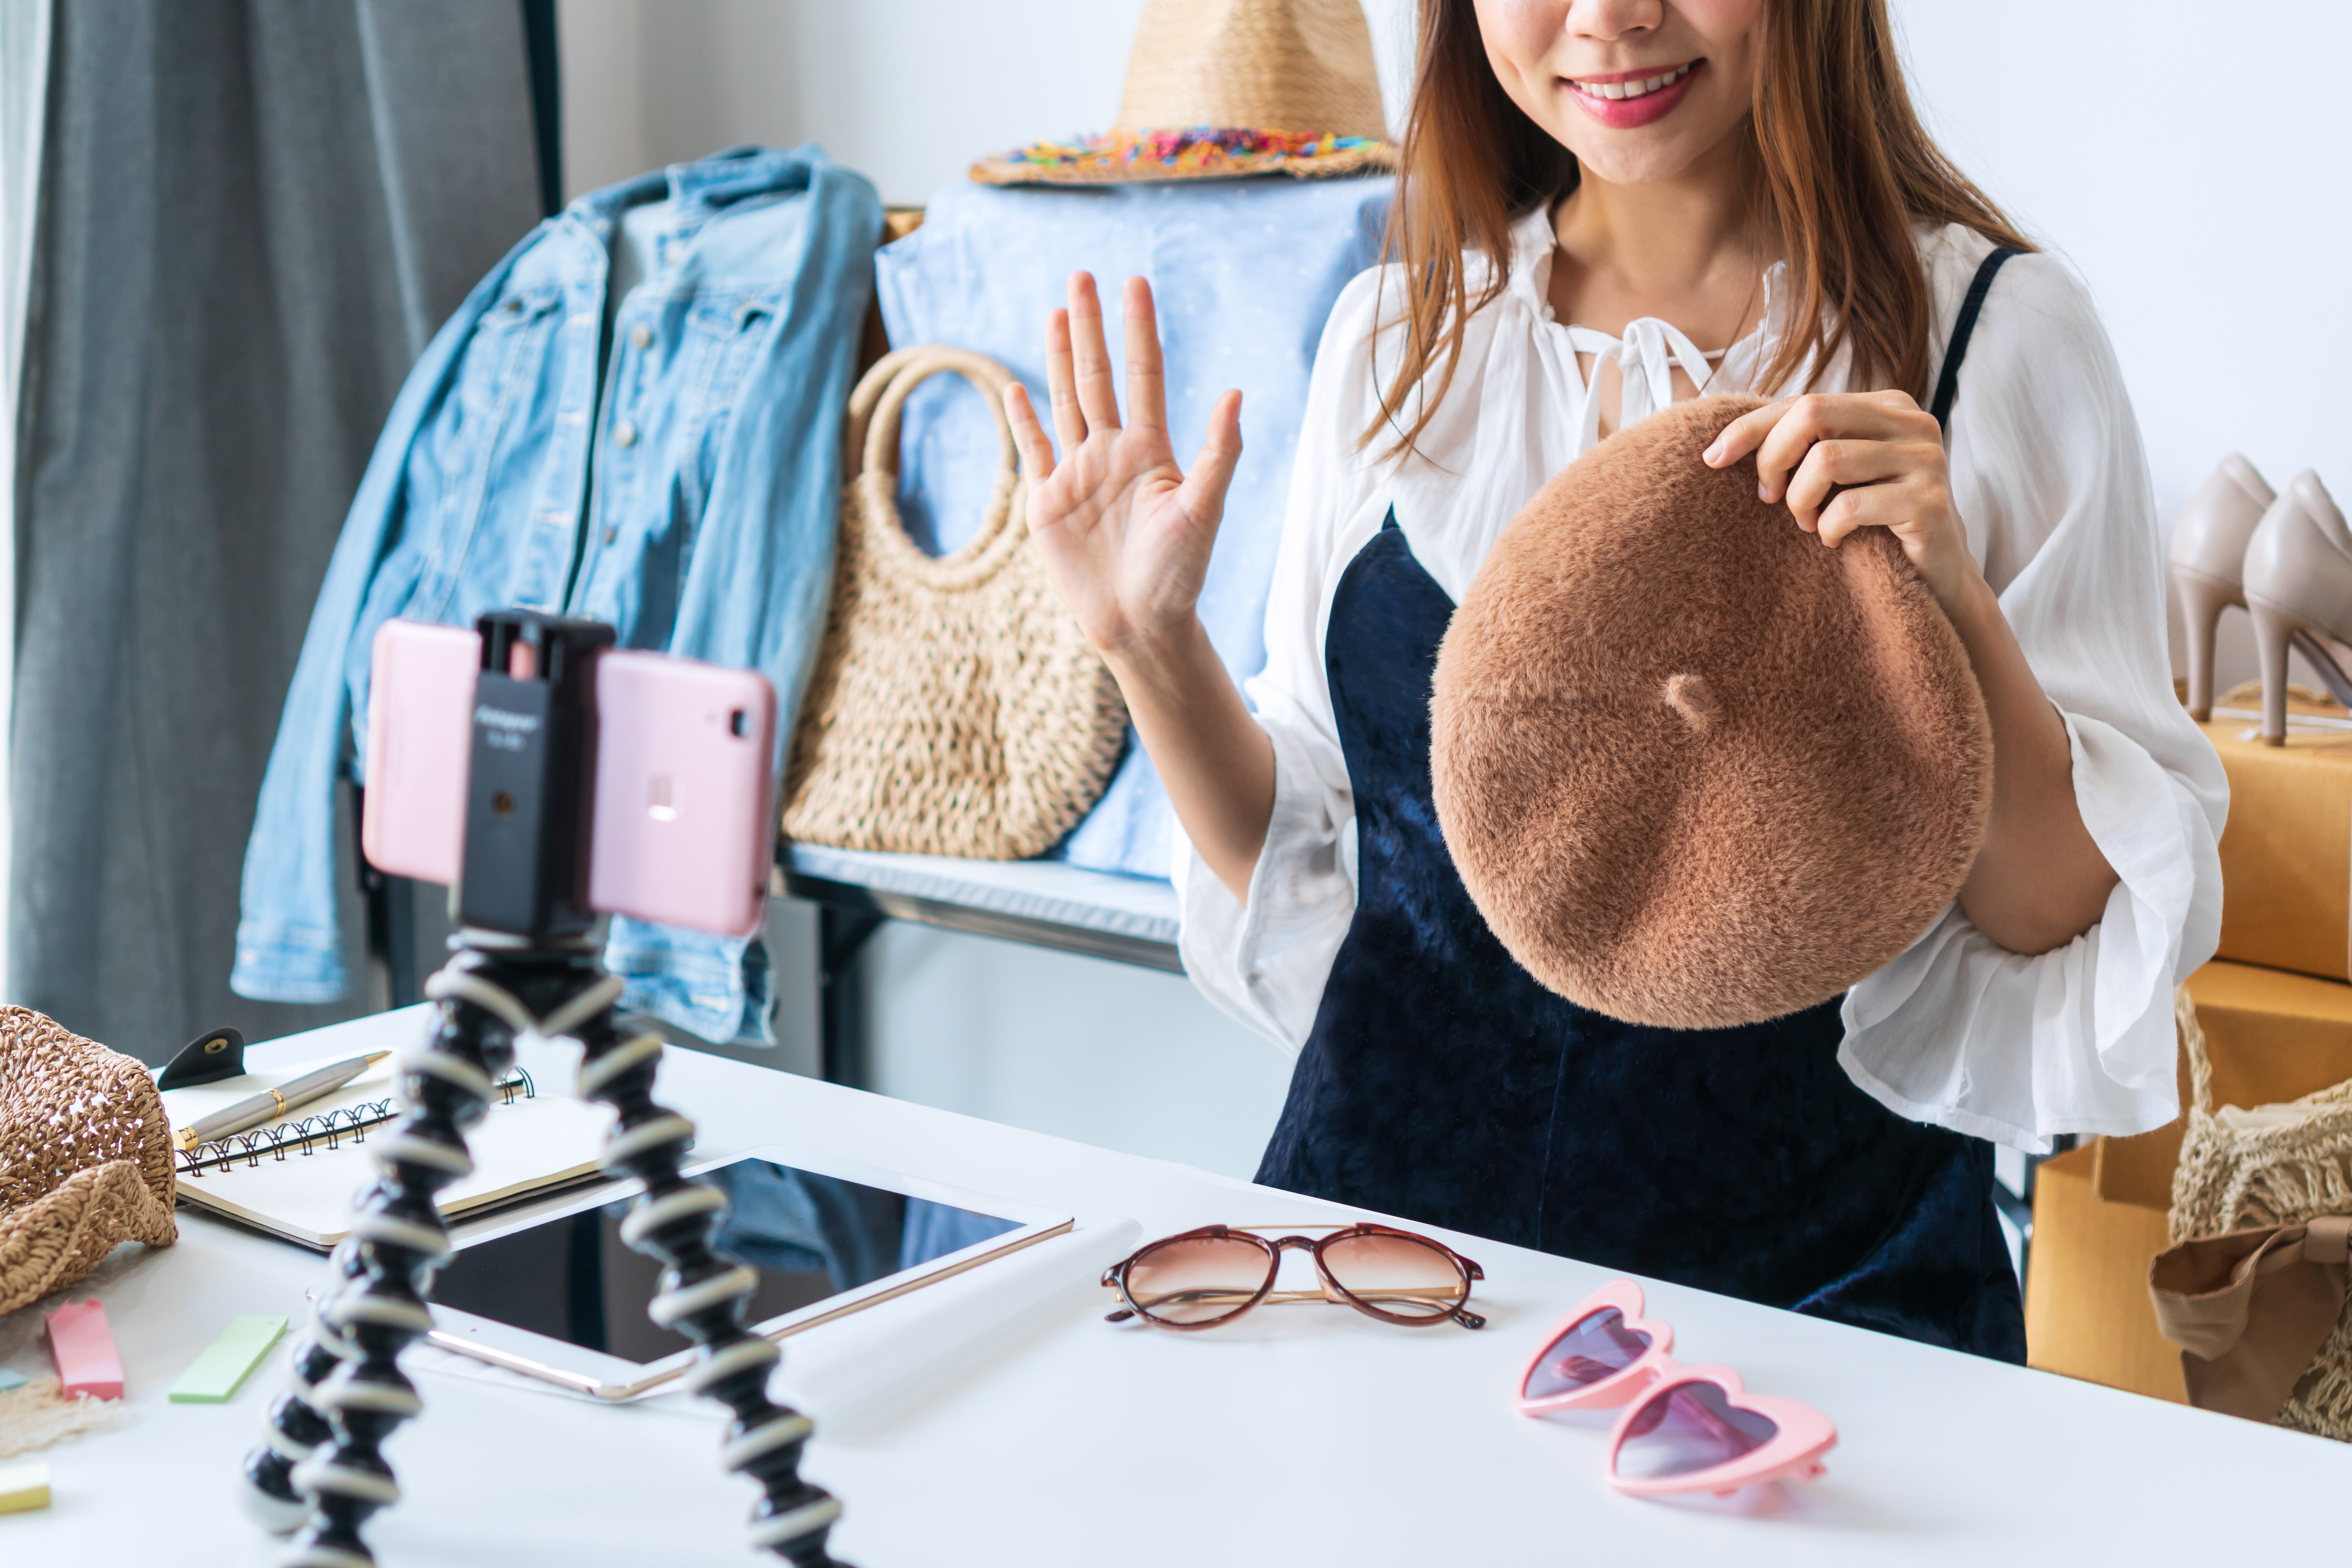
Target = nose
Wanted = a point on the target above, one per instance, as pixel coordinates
(1615, 18)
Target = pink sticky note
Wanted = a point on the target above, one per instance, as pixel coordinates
(83, 1347)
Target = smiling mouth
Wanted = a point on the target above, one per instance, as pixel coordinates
(1634, 87)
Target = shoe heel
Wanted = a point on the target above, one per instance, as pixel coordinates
(2275, 630)
(2314, 647)
(2202, 600)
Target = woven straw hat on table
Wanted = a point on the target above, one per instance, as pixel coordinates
(85, 1157)
(1217, 89)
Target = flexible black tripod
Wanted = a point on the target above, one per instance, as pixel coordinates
(322, 1472)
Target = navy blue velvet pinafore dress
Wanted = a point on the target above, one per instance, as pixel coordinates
(1442, 1083)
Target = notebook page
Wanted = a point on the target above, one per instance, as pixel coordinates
(531, 1142)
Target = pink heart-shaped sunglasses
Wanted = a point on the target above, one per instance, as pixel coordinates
(1685, 1428)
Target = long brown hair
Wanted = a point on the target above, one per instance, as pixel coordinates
(1846, 170)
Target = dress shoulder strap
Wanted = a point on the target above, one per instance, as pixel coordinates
(1948, 383)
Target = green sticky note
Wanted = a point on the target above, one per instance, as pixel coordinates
(215, 1375)
(9, 1380)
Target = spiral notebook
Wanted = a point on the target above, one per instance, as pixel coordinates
(297, 1178)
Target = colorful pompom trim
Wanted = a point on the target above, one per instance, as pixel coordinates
(1200, 152)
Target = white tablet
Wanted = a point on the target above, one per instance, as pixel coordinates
(557, 1295)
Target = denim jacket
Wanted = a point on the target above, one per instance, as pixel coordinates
(681, 484)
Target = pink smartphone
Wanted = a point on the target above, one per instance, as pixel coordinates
(420, 734)
(684, 830)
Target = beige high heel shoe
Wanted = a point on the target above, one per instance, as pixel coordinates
(2298, 581)
(2209, 554)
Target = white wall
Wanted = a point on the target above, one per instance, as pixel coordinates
(2197, 171)
(2194, 168)
(910, 92)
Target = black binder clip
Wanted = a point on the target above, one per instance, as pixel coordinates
(209, 1057)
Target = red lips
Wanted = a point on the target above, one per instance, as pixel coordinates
(1628, 113)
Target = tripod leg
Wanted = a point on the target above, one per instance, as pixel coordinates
(348, 1395)
(704, 1293)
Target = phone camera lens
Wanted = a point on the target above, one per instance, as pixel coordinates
(738, 722)
(502, 802)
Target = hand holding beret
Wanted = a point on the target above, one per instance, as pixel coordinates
(1696, 769)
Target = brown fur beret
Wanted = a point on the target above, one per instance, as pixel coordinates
(1696, 769)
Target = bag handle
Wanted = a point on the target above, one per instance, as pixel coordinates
(876, 409)
(2192, 1040)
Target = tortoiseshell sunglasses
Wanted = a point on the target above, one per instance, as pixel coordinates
(1210, 1276)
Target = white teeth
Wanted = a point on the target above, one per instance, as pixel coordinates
(1616, 90)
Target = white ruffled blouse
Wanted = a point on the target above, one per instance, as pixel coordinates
(2049, 474)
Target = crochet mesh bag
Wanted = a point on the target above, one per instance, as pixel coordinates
(85, 1157)
(2247, 1178)
(957, 707)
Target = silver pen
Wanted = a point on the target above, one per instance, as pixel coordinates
(256, 1109)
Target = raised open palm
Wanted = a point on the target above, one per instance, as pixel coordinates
(1126, 533)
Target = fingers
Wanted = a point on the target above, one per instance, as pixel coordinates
(1744, 435)
(1202, 494)
(1780, 433)
(1805, 421)
(1816, 418)
(1090, 356)
(1060, 386)
(1831, 465)
(1146, 389)
(1028, 436)
(1889, 506)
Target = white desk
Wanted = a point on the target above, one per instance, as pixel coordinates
(1309, 1435)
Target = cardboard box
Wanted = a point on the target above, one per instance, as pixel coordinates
(2271, 1036)
(2100, 1213)
(2287, 852)
(2087, 1312)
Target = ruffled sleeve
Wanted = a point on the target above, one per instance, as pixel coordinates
(1265, 961)
(2049, 473)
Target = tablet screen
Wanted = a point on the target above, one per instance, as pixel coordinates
(810, 1235)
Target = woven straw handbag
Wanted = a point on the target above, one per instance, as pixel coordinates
(2246, 1176)
(85, 1157)
(956, 708)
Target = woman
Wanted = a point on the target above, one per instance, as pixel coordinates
(1592, 190)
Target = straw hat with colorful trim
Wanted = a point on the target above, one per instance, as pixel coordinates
(1221, 87)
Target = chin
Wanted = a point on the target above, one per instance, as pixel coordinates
(1632, 159)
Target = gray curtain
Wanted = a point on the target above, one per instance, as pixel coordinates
(253, 214)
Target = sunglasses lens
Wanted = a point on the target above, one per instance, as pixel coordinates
(1198, 1279)
(1597, 1346)
(1687, 1427)
(1399, 1275)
